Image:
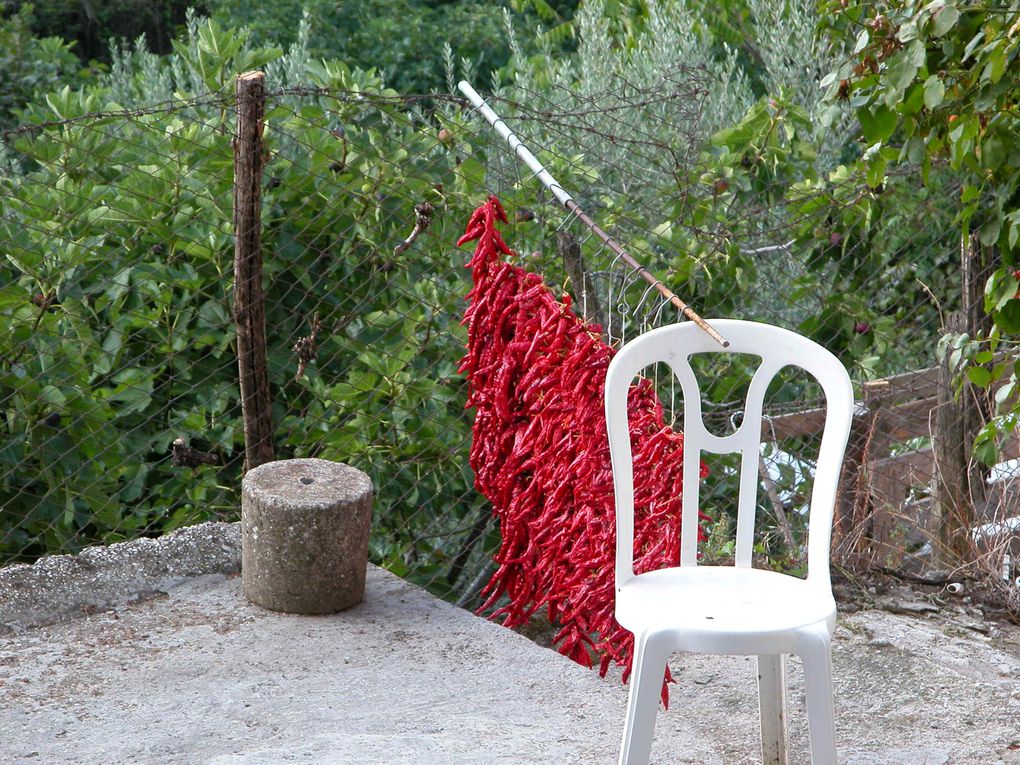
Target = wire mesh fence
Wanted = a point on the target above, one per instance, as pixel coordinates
(121, 411)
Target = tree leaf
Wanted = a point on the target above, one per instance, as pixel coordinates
(989, 233)
(985, 448)
(980, 376)
(944, 20)
(934, 91)
(1009, 316)
(1003, 394)
(876, 171)
(915, 150)
(52, 396)
(877, 125)
(902, 70)
(862, 42)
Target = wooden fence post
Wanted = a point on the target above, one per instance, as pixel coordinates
(249, 300)
(952, 439)
(880, 501)
(961, 481)
(845, 539)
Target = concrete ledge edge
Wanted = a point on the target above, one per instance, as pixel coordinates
(58, 587)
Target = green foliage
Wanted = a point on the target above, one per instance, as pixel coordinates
(937, 84)
(937, 79)
(638, 46)
(117, 277)
(401, 39)
(29, 65)
(120, 249)
(90, 25)
(767, 192)
(555, 19)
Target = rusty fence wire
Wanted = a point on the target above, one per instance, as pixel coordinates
(119, 403)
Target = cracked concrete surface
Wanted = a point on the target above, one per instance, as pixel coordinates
(148, 653)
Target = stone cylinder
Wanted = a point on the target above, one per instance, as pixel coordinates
(304, 535)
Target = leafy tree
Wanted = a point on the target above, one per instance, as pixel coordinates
(725, 177)
(116, 279)
(29, 65)
(90, 25)
(762, 192)
(936, 85)
(401, 39)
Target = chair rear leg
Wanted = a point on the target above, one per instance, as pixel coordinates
(816, 653)
(651, 652)
(772, 708)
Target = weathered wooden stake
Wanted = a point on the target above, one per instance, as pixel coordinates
(879, 500)
(951, 446)
(249, 300)
(847, 500)
(961, 480)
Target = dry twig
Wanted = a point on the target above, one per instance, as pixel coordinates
(424, 212)
(183, 455)
(306, 347)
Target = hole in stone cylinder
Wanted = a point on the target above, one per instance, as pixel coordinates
(306, 480)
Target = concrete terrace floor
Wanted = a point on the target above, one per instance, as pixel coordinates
(147, 652)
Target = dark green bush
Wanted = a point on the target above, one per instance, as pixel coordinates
(29, 65)
(116, 295)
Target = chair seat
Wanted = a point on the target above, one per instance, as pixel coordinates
(723, 609)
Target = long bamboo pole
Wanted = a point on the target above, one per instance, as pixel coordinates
(568, 202)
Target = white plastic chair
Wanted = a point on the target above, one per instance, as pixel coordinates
(729, 609)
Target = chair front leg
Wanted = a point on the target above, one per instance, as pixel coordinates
(651, 651)
(772, 708)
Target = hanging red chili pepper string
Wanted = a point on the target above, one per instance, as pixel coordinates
(540, 455)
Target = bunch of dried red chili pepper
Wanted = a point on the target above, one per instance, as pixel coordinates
(541, 455)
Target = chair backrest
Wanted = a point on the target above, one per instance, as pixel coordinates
(777, 348)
